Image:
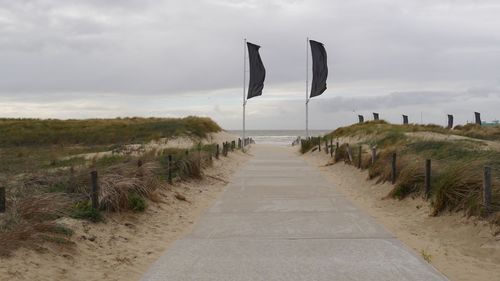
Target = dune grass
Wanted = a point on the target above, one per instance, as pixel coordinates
(457, 164)
(35, 132)
(46, 181)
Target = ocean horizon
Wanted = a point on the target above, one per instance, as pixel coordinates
(278, 137)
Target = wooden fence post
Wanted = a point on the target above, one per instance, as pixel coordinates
(3, 206)
(487, 188)
(319, 144)
(427, 177)
(393, 170)
(217, 152)
(360, 154)
(331, 147)
(239, 143)
(374, 155)
(169, 169)
(95, 190)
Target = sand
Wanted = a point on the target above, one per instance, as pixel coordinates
(177, 142)
(126, 245)
(461, 248)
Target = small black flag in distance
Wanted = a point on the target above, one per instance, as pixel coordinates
(320, 68)
(257, 71)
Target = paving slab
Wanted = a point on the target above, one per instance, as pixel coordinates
(279, 219)
(289, 260)
(258, 203)
(280, 191)
(288, 225)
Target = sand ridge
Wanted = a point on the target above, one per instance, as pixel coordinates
(462, 248)
(128, 243)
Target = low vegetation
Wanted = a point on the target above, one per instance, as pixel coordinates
(458, 158)
(35, 132)
(45, 182)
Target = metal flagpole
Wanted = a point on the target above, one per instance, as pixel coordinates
(307, 87)
(244, 92)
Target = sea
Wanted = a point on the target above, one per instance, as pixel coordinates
(278, 137)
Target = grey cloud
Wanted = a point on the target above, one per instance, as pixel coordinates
(55, 50)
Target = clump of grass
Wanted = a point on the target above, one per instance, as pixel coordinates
(479, 132)
(308, 144)
(60, 229)
(458, 188)
(410, 181)
(426, 256)
(27, 216)
(137, 203)
(84, 210)
(55, 239)
(341, 153)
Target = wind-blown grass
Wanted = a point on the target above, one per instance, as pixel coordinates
(45, 180)
(36, 132)
(457, 164)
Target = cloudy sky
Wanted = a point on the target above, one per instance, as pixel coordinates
(94, 58)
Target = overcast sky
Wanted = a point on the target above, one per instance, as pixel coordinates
(95, 58)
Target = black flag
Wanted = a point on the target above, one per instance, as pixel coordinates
(257, 71)
(320, 68)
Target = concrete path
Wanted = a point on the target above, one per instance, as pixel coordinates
(280, 219)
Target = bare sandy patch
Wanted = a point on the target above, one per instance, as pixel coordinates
(461, 248)
(125, 245)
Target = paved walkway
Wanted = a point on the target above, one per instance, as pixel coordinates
(280, 219)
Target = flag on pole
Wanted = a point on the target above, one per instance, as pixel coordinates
(320, 68)
(257, 71)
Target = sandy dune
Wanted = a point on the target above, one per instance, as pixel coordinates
(462, 248)
(128, 243)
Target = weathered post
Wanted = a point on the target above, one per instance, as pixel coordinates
(360, 152)
(169, 169)
(337, 145)
(331, 147)
(2, 200)
(217, 151)
(361, 119)
(319, 144)
(375, 116)
(95, 190)
(239, 143)
(393, 168)
(427, 177)
(477, 116)
(326, 145)
(374, 155)
(450, 121)
(405, 119)
(487, 188)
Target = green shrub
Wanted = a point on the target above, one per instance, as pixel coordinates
(137, 203)
(84, 210)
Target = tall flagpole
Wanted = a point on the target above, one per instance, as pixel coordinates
(307, 87)
(244, 92)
